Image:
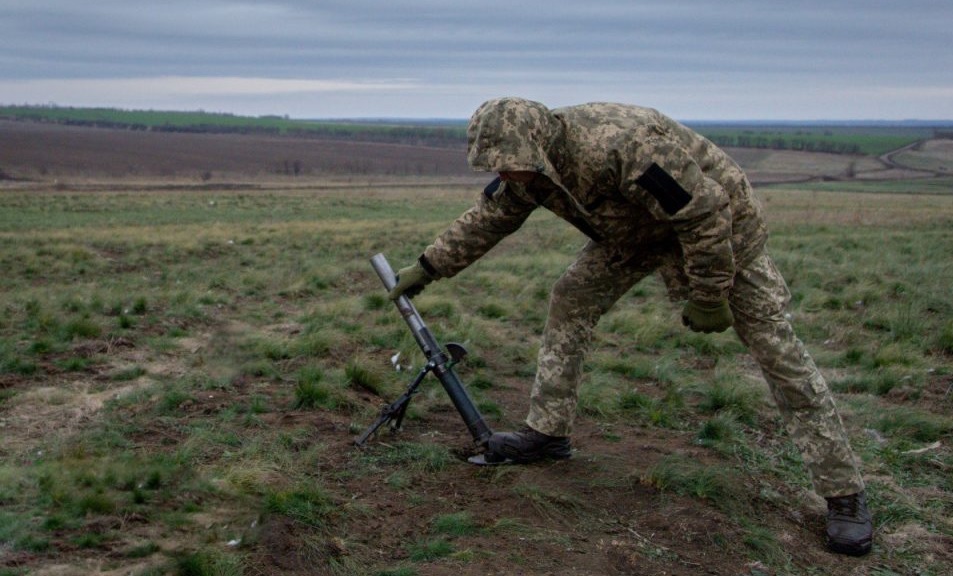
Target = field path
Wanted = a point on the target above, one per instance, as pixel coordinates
(888, 159)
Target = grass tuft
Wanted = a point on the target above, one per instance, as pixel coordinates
(721, 431)
(414, 456)
(456, 524)
(359, 376)
(308, 505)
(718, 484)
(209, 563)
(734, 394)
(310, 391)
(430, 549)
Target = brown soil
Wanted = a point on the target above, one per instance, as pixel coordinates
(52, 152)
(594, 514)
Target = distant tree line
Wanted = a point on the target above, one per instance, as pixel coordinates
(784, 142)
(451, 135)
(410, 135)
(847, 139)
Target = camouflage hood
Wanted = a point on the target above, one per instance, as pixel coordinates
(512, 134)
(517, 135)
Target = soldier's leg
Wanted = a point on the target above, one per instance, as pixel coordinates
(585, 291)
(758, 300)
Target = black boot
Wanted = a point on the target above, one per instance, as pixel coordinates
(850, 529)
(526, 445)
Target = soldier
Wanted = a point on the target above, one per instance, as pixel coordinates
(651, 195)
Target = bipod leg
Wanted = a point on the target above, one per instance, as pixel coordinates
(394, 412)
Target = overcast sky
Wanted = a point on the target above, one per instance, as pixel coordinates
(693, 59)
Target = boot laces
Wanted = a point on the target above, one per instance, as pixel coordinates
(847, 508)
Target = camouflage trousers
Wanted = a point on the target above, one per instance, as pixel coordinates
(593, 283)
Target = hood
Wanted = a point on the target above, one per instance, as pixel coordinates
(512, 134)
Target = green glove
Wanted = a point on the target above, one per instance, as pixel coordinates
(410, 281)
(707, 316)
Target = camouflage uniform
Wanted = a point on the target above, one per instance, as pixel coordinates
(651, 195)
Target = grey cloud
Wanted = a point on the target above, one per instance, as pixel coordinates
(585, 50)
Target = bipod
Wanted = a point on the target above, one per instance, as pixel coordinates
(395, 411)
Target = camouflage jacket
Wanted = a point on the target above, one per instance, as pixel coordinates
(628, 177)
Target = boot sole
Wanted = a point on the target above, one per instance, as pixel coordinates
(542, 455)
(861, 549)
(496, 460)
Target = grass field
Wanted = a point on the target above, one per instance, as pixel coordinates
(852, 139)
(182, 374)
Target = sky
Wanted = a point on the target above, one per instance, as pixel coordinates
(692, 59)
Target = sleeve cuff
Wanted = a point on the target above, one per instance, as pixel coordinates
(428, 267)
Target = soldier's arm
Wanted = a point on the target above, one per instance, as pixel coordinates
(499, 211)
(671, 184)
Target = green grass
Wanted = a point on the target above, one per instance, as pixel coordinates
(413, 457)
(307, 505)
(939, 186)
(311, 392)
(456, 524)
(209, 563)
(191, 365)
(430, 549)
(718, 484)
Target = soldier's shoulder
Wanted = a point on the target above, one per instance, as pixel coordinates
(607, 111)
